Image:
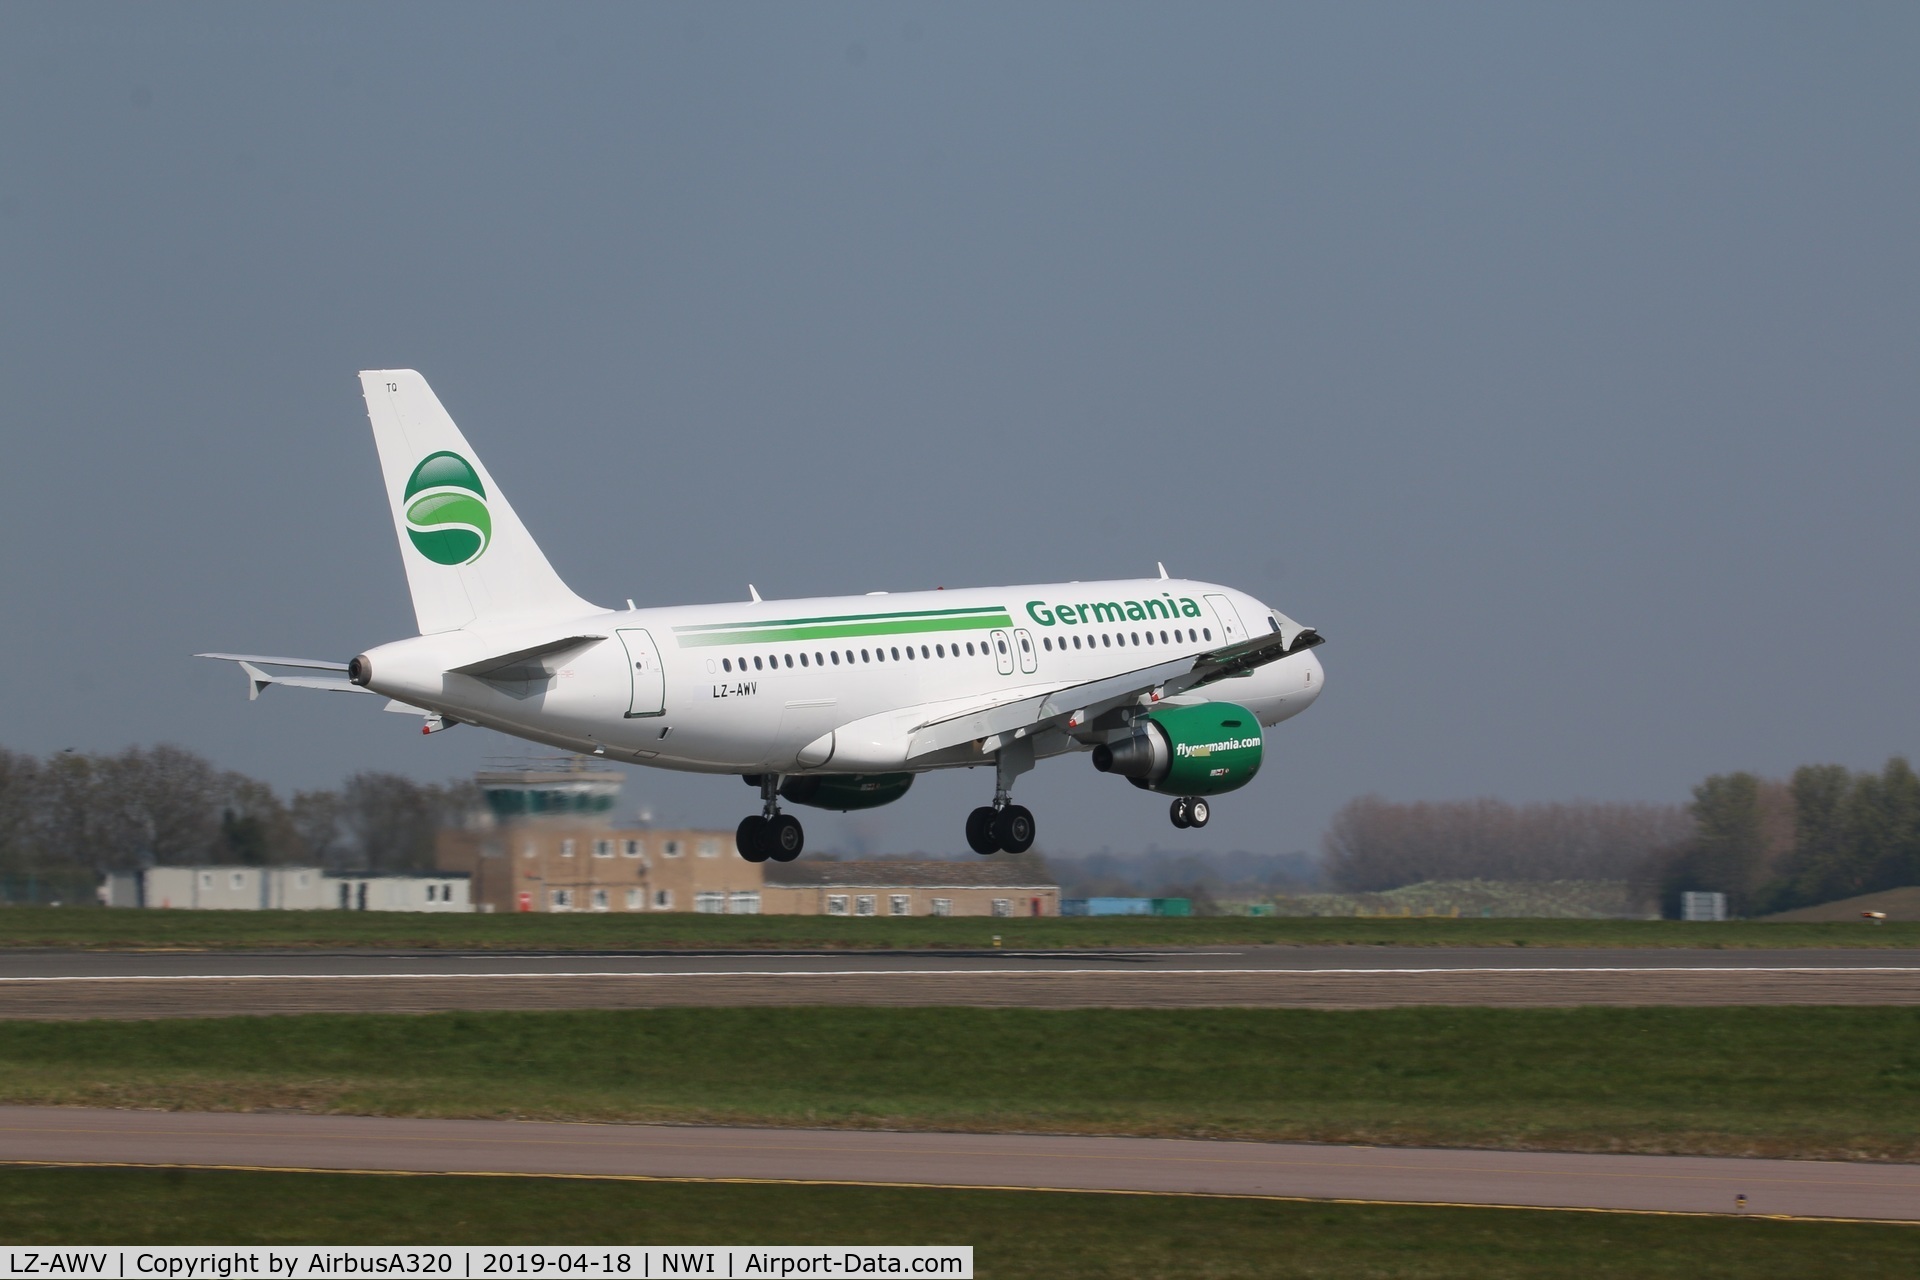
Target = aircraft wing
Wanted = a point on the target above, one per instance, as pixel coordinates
(1076, 705)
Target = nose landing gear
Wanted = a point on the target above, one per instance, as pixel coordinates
(1190, 811)
(769, 833)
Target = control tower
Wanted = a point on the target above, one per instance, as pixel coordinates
(547, 841)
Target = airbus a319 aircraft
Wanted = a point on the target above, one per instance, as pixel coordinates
(838, 702)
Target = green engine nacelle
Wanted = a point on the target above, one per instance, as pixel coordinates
(1187, 751)
(846, 791)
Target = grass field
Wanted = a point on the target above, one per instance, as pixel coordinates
(1014, 1234)
(1817, 1082)
(232, 930)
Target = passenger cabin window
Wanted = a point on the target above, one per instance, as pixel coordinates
(726, 664)
(789, 661)
(756, 662)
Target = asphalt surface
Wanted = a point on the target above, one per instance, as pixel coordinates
(79, 984)
(1670, 1184)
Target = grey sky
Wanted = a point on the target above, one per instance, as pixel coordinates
(1557, 362)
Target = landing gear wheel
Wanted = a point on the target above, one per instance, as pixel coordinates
(980, 837)
(750, 838)
(1178, 812)
(1198, 812)
(785, 838)
(1013, 829)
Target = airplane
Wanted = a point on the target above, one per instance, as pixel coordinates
(835, 702)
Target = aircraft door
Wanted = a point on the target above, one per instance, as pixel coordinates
(1230, 629)
(1029, 660)
(1003, 652)
(649, 677)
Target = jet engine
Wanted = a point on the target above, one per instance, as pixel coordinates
(1187, 751)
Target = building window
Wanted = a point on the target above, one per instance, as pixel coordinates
(636, 900)
(562, 899)
(600, 902)
(743, 904)
(300, 880)
(633, 849)
(836, 904)
(864, 904)
(671, 848)
(237, 880)
(709, 848)
(943, 906)
(566, 848)
(603, 848)
(900, 904)
(433, 892)
(710, 903)
(663, 900)
(1003, 906)
(206, 879)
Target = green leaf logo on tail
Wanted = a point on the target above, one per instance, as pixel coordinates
(447, 515)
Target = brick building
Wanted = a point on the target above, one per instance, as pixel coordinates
(546, 842)
(998, 886)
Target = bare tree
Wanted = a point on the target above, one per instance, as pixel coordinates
(1374, 844)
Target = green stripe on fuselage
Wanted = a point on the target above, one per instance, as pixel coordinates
(999, 611)
(808, 629)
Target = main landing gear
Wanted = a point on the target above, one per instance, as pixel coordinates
(769, 833)
(1008, 829)
(1190, 811)
(1004, 826)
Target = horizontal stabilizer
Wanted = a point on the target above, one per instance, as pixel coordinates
(258, 680)
(306, 664)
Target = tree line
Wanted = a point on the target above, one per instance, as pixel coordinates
(1823, 834)
(1769, 845)
(73, 816)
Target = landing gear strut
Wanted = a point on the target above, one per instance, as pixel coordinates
(769, 833)
(1190, 811)
(1004, 826)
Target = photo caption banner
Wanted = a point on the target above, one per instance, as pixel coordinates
(302, 1262)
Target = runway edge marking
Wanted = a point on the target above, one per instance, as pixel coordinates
(953, 1186)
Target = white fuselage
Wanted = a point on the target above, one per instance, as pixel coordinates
(833, 684)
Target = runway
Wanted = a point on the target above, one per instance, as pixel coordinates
(62, 984)
(1657, 1184)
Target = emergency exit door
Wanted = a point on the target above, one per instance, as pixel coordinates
(1230, 629)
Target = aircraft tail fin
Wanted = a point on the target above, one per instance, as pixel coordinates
(468, 557)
